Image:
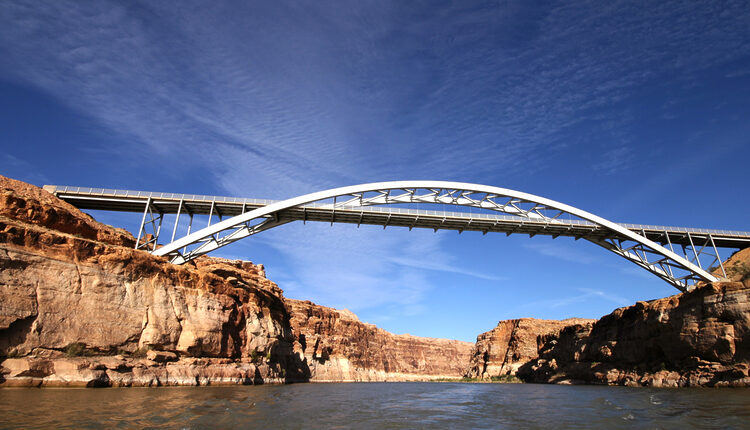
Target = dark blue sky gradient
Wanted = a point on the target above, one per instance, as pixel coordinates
(635, 111)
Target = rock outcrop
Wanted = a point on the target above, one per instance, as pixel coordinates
(698, 338)
(72, 287)
(336, 346)
(80, 306)
(127, 371)
(502, 350)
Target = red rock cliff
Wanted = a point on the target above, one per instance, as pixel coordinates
(698, 338)
(511, 344)
(336, 346)
(80, 306)
(73, 291)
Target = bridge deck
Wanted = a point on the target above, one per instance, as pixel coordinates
(168, 203)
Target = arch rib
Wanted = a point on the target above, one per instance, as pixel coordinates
(623, 242)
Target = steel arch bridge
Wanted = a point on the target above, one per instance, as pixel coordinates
(638, 249)
(504, 210)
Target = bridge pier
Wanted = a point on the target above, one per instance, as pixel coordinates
(155, 228)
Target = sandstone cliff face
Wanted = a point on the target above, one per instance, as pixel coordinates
(511, 344)
(336, 346)
(71, 285)
(699, 338)
(80, 306)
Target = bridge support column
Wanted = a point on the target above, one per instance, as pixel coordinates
(211, 212)
(158, 230)
(711, 238)
(190, 226)
(143, 223)
(155, 227)
(176, 220)
(692, 245)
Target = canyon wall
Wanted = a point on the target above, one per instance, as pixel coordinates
(338, 347)
(502, 350)
(698, 338)
(80, 306)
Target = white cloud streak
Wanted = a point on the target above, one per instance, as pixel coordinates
(425, 264)
(16, 168)
(290, 99)
(345, 267)
(561, 252)
(586, 295)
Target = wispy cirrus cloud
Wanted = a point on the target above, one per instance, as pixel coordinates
(585, 295)
(347, 267)
(290, 99)
(562, 252)
(428, 264)
(17, 168)
(589, 293)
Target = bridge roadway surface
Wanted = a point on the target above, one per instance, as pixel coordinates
(223, 207)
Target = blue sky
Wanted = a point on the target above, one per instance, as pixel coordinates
(635, 111)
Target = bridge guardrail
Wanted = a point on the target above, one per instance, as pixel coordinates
(224, 199)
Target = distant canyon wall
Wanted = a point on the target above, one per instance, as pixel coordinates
(338, 347)
(513, 343)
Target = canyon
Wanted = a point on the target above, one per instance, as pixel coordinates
(80, 307)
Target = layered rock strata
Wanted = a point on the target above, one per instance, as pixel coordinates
(125, 371)
(698, 338)
(511, 344)
(337, 346)
(79, 306)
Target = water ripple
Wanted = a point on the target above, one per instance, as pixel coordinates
(376, 405)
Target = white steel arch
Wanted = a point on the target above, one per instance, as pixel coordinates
(666, 264)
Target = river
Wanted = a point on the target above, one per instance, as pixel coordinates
(377, 405)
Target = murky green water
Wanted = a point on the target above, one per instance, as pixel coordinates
(377, 405)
